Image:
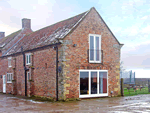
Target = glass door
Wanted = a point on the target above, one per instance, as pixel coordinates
(84, 83)
(102, 82)
(93, 83)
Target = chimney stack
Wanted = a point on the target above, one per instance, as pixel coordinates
(26, 23)
(2, 35)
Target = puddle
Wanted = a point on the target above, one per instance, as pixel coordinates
(111, 105)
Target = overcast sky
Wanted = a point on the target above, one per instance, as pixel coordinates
(129, 20)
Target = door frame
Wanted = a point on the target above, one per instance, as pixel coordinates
(4, 91)
(93, 95)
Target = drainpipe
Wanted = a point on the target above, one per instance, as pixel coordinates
(24, 71)
(56, 48)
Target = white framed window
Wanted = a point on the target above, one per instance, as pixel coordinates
(9, 77)
(93, 83)
(9, 62)
(28, 76)
(28, 59)
(94, 48)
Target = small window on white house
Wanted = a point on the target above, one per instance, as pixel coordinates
(28, 59)
(94, 48)
(9, 62)
(28, 76)
(9, 77)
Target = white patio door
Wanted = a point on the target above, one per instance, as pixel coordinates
(4, 84)
(93, 83)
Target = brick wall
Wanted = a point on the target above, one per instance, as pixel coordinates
(77, 57)
(4, 70)
(44, 72)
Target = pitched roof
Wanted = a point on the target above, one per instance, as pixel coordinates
(47, 35)
(6, 40)
(15, 40)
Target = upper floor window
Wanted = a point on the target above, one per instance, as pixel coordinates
(9, 62)
(94, 48)
(9, 77)
(28, 58)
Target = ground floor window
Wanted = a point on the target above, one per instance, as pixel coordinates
(28, 76)
(93, 83)
(9, 77)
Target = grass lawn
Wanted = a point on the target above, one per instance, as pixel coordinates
(131, 92)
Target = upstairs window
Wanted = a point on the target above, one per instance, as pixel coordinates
(94, 48)
(9, 77)
(28, 58)
(9, 62)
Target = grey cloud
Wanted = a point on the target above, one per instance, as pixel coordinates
(137, 58)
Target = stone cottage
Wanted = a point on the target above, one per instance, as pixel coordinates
(76, 58)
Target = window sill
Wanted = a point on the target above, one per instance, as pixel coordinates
(9, 66)
(28, 64)
(93, 95)
(95, 62)
(9, 82)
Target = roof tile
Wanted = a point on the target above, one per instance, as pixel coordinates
(47, 35)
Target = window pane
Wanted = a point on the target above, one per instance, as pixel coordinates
(93, 82)
(9, 62)
(84, 83)
(29, 58)
(28, 76)
(7, 77)
(91, 48)
(97, 49)
(11, 77)
(102, 82)
(4, 77)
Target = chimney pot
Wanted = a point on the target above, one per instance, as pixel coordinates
(2, 35)
(26, 23)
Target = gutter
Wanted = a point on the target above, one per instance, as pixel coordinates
(32, 49)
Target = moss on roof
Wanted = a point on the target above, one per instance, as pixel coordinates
(11, 36)
(59, 22)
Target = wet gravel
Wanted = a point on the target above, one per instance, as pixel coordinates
(131, 104)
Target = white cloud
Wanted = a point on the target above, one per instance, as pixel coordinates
(141, 73)
(144, 18)
(8, 28)
(42, 2)
(146, 30)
